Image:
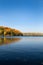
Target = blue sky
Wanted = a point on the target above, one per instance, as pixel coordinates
(25, 15)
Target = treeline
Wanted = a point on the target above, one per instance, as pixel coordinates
(33, 34)
(5, 31)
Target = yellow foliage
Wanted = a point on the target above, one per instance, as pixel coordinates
(9, 31)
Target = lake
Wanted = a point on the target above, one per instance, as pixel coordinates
(21, 50)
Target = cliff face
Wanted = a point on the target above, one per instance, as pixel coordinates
(5, 31)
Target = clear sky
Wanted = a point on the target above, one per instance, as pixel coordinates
(25, 15)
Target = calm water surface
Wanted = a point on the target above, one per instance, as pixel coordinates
(21, 50)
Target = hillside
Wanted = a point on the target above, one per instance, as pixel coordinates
(6, 31)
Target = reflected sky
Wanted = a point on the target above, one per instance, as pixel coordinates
(22, 49)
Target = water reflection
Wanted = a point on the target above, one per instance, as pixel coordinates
(8, 40)
(29, 50)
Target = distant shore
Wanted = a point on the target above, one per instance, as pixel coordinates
(32, 34)
(6, 31)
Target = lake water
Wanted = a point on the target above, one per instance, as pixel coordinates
(21, 50)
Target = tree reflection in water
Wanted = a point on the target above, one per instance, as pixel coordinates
(8, 40)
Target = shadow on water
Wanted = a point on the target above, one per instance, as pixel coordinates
(4, 40)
